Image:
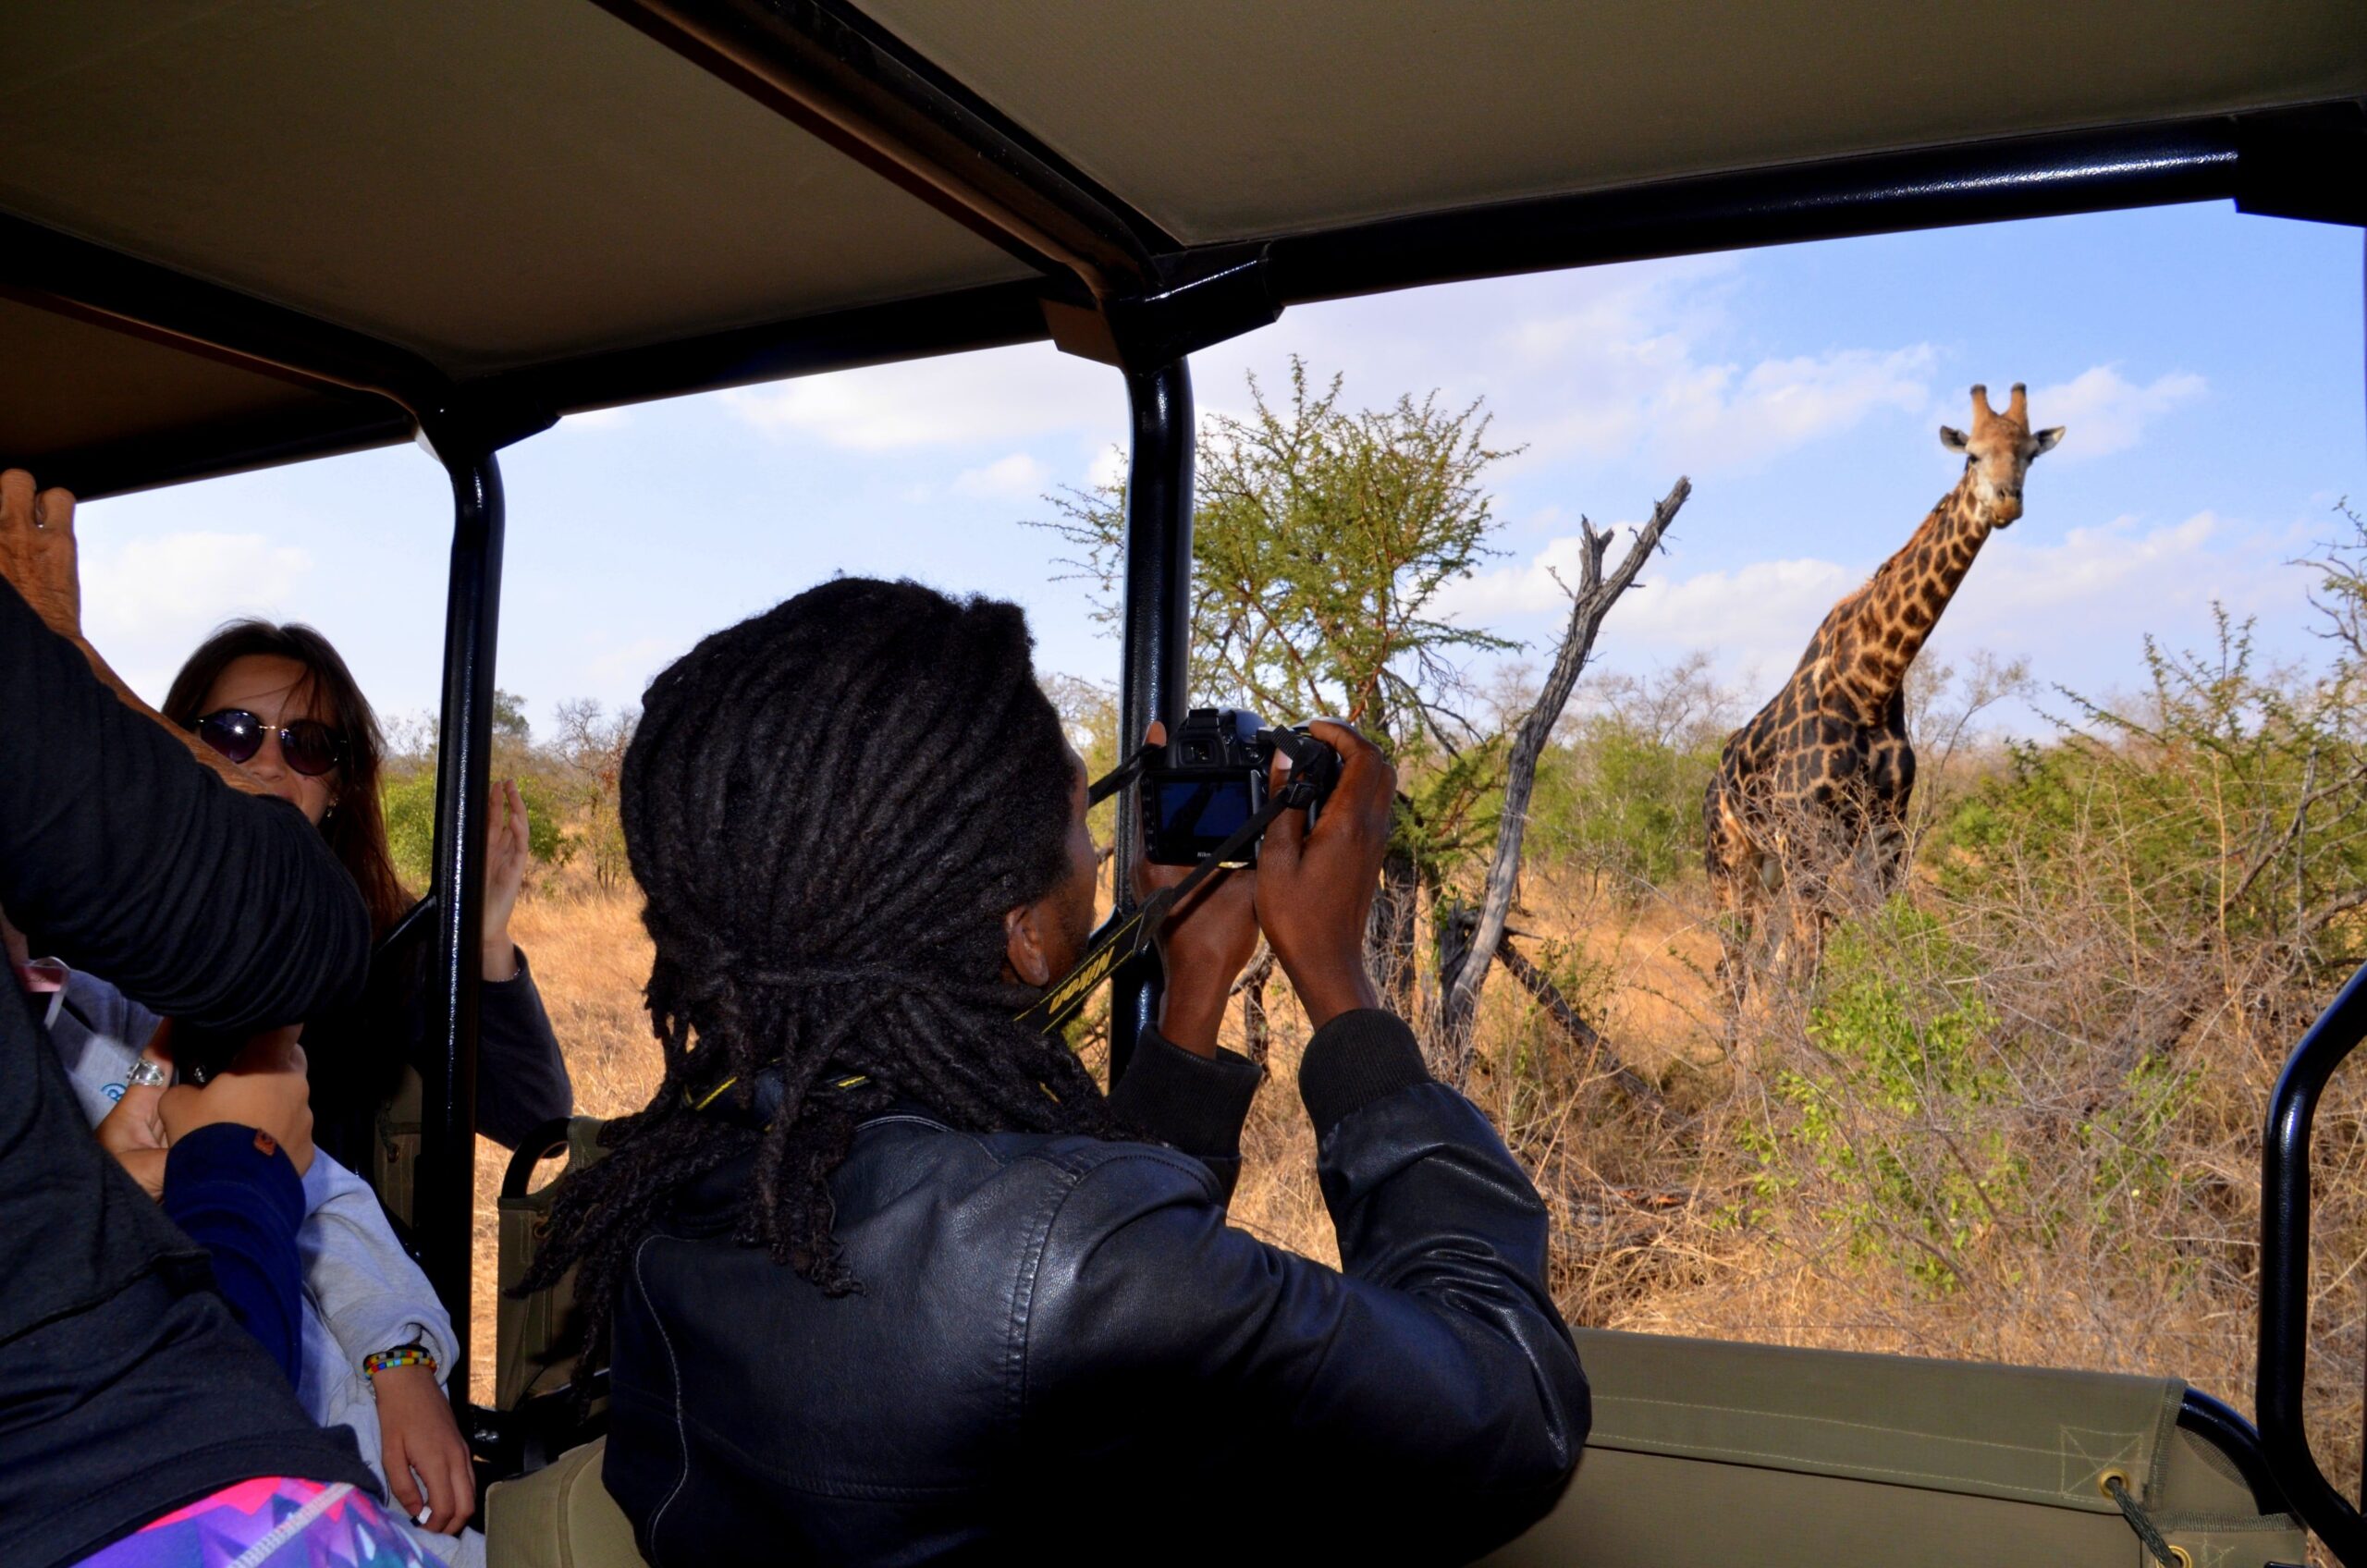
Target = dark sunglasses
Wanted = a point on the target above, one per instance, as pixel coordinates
(309, 747)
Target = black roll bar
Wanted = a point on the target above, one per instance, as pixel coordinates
(995, 315)
(445, 1192)
(1156, 631)
(2308, 162)
(57, 272)
(2224, 1429)
(2285, 1273)
(830, 69)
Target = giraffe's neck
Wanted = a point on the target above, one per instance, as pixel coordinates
(1908, 593)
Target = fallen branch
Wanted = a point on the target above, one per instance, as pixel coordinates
(1558, 1006)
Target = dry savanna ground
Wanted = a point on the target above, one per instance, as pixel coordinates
(1790, 1177)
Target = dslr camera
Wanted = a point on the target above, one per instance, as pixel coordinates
(1212, 779)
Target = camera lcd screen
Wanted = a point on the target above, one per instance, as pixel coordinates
(1190, 816)
(1205, 808)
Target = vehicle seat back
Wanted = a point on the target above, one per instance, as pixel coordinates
(534, 1335)
(1706, 1451)
(559, 1517)
(1709, 1452)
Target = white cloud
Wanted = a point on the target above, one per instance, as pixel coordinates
(1605, 362)
(1764, 611)
(1760, 611)
(2079, 605)
(995, 395)
(1107, 469)
(1018, 476)
(1652, 393)
(1624, 371)
(2101, 413)
(1780, 404)
(2118, 581)
(148, 601)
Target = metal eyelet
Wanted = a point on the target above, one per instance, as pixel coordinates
(2105, 1481)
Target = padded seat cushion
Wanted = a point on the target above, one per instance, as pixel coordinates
(559, 1517)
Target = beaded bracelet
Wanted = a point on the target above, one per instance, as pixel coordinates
(402, 1355)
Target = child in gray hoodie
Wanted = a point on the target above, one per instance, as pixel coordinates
(364, 1296)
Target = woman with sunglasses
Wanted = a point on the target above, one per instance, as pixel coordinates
(279, 701)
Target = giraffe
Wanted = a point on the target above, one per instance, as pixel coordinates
(1818, 782)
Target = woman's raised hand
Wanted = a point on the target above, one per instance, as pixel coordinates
(507, 853)
(37, 551)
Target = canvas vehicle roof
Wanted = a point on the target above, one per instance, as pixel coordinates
(556, 196)
(239, 232)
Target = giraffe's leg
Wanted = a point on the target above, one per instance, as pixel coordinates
(1733, 863)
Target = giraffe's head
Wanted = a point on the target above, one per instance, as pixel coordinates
(1999, 452)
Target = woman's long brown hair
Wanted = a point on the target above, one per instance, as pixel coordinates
(357, 829)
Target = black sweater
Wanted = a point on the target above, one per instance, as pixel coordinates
(125, 1388)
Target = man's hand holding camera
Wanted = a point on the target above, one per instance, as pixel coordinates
(1315, 889)
(1311, 892)
(1205, 944)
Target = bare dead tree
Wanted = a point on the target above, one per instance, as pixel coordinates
(1459, 983)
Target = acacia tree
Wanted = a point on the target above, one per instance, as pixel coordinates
(1322, 538)
(591, 748)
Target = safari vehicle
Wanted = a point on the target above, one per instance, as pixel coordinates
(245, 232)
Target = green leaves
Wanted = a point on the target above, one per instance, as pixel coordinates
(1322, 541)
(2224, 802)
(1891, 1110)
(410, 807)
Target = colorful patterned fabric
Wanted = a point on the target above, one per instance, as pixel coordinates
(270, 1522)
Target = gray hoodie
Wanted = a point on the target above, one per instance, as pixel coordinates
(363, 1293)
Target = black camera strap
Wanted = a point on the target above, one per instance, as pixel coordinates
(1126, 773)
(1129, 933)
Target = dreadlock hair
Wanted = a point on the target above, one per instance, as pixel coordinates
(830, 807)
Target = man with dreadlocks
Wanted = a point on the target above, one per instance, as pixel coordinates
(884, 1276)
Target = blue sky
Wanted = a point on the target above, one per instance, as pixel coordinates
(2208, 367)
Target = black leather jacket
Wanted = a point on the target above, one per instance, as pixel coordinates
(1061, 1348)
